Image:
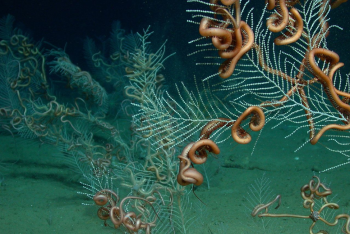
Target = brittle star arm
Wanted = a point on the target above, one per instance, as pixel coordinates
(266, 213)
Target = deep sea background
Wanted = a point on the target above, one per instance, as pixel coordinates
(38, 193)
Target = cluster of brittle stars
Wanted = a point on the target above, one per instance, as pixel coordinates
(196, 152)
(232, 43)
(114, 210)
(314, 190)
(233, 38)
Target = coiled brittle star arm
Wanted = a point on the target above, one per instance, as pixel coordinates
(326, 80)
(195, 152)
(186, 174)
(257, 122)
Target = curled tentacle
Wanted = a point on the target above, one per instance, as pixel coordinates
(297, 26)
(188, 175)
(200, 147)
(257, 122)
